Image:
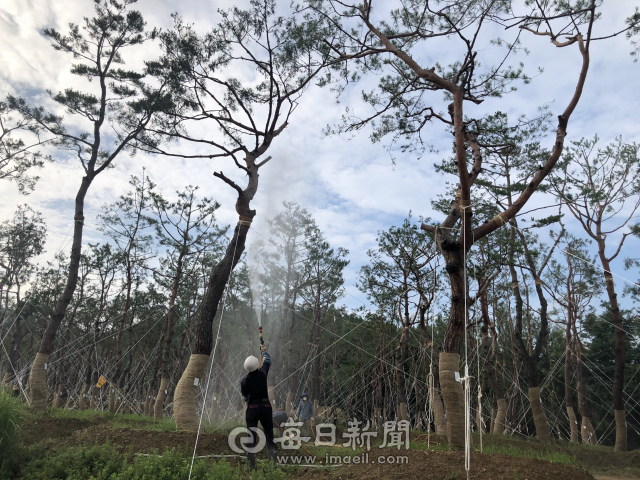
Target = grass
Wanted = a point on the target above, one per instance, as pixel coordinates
(513, 451)
(80, 415)
(432, 445)
(171, 467)
(145, 423)
(105, 462)
(12, 414)
(322, 451)
(138, 422)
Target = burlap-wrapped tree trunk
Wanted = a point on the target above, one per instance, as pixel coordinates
(289, 403)
(419, 419)
(573, 423)
(158, 410)
(112, 398)
(453, 396)
(543, 432)
(479, 422)
(621, 431)
(214, 409)
(147, 403)
(493, 420)
(501, 417)
(376, 421)
(403, 413)
(82, 405)
(57, 400)
(438, 412)
(184, 399)
(95, 398)
(37, 382)
(588, 432)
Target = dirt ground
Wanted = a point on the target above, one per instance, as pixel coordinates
(450, 465)
(606, 464)
(598, 460)
(68, 432)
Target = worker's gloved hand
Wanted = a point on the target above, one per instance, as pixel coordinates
(263, 348)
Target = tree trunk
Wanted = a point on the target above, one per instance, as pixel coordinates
(573, 423)
(401, 358)
(158, 410)
(57, 401)
(453, 395)
(490, 348)
(164, 362)
(82, 404)
(147, 402)
(95, 392)
(214, 409)
(543, 432)
(14, 349)
(111, 404)
(184, 398)
(494, 410)
(37, 381)
(620, 345)
(452, 391)
(586, 429)
(501, 417)
(438, 412)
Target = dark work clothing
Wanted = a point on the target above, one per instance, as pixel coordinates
(260, 412)
(280, 417)
(253, 385)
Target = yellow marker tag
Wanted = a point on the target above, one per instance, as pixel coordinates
(101, 381)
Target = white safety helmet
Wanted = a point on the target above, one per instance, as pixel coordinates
(251, 363)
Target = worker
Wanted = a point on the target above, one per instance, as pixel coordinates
(305, 414)
(279, 419)
(253, 388)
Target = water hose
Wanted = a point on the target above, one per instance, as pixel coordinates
(261, 343)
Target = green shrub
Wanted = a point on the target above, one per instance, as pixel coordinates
(12, 414)
(175, 465)
(105, 462)
(99, 462)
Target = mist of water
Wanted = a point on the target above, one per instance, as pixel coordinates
(254, 283)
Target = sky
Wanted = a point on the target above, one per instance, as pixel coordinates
(351, 187)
